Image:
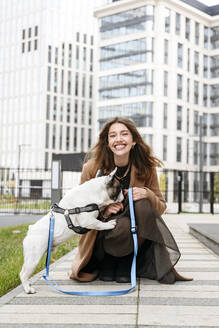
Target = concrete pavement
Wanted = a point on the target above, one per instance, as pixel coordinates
(184, 304)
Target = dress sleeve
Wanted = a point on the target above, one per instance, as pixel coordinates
(154, 194)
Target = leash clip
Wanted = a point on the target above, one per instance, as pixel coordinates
(133, 230)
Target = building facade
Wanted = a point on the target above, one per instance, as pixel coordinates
(158, 65)
(46, 83)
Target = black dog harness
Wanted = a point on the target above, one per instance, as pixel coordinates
(88, 208)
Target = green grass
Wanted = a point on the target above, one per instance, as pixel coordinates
(11, 255)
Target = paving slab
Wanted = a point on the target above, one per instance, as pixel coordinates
(181, 305)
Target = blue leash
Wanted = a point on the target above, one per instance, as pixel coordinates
(105, 293)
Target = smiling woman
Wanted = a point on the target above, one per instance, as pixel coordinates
(110, 254)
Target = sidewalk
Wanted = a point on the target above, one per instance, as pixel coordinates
(184, 304)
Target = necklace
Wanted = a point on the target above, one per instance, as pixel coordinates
(125, 174)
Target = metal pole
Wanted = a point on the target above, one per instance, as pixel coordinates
(18, 169)
(200, 164)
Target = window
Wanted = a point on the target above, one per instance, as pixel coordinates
(23, 47)
(85, 38)
(47, 135)
(63, 54)
(35, 44)
(205, 66)
(54, 107)
(214, 95)
(60, 137)
(214, 66)
(89, 137)
(23, 34)
(214, 153)
(187, 29)
(165, 86)
(188, 90)
(77, 57)
(84, 85)
(187, 120)
(54, 136)
(196, 123)
(196, 62)
(180, 55)
(215, 37)
(126, 53)
(92, 40)
(78, 37)
(55, 79)
(188, 59)
(133, 83)
(167, 14)
(178, 149)
(49, 78)
(205, 95)
(91, 87)
(179, 118)
(90, 114)
(83, 112)
(195, 152)
(197, 33)
(82, 139)
(214, 124)
(164, 148)
(91, 60)
(178, 24)
(76, 112)
(166, 52)
(76, 83)
(29, 32)
(84, 58)
(196, 92)
(62, 82)
(47, 107)
(67, 137)
(69, 82)
(56, 55)
(69, 55)
(36, 31)
(127, 22)
(61, 108)
(179, 86)
(206, 37)
(68, 111)
(29, 45)
(165, 115)
(75, 138)
(187, 151)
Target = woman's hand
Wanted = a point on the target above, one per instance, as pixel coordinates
(112, 209)
(137, 193)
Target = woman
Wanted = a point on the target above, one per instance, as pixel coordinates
(109, 254)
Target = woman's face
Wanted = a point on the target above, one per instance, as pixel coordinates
(120, 141)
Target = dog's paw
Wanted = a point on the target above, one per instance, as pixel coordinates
(30, 290)
(110, 225)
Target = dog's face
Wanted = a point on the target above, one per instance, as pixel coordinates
(114, 189)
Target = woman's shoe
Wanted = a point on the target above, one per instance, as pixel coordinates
(108, 268)
(123, 272)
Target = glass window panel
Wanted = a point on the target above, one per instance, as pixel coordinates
(127, 22)
(126, 53)
(128, 84)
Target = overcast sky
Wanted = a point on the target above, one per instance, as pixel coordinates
(210, 2)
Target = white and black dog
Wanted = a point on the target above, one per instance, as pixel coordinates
(102, 191)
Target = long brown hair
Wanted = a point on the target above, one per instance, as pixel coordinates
(140, 155)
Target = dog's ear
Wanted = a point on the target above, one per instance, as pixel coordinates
(99, 174)
(111, 176)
